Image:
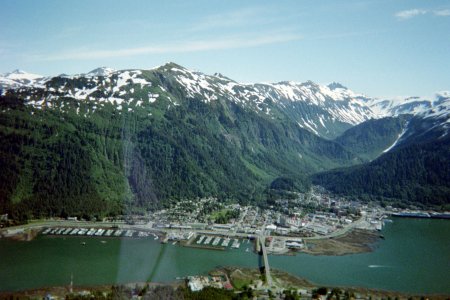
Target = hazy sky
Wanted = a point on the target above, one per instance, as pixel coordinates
(381, 48)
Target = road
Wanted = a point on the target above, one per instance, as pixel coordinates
(339, 232)
(261, 240)
(144, 227)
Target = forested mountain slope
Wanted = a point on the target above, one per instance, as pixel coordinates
(137, 143)
(109, 141)
(416, 171)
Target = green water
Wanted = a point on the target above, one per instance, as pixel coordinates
(414, 257)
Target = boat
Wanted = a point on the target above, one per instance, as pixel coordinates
(226, 242)
(83, 243)
(67, 230)
(216, 241)
(46, 231)
(200, 240)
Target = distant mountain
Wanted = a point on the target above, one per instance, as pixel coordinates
(19, 78)
(93, 144)
(414, 173)
(414, 166)
(113, 140)
(325, 111)
(102, 71)
(409, 105)
(372, 138)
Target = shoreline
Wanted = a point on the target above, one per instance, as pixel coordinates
(363, 239)
(352, 242)
(239, 276)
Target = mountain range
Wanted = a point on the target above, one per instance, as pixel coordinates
(114, 140)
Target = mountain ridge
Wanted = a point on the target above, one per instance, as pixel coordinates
(330, 109)
(135, 139)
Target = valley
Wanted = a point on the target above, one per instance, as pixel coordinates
(106, 142)
(169, 156)
(225, 150)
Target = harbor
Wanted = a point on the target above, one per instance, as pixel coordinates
(188, 238)
(214, 242)
(98, 232)
(412, 258)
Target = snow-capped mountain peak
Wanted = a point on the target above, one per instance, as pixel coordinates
(102, 71)
(326, 110)
(21, 75)
(443, 94)
(336, 85)
(19, 78)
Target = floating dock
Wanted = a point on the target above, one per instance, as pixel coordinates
(98, 232)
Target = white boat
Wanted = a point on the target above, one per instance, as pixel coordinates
(207, 240)
(67, 231)
(82, 231)
(216, 241)
(200, 240)
(46, 231)
(226, 242)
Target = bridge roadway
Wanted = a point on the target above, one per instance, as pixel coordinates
(261, 240)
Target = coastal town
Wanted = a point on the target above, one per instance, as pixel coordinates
(313, 223)
(313, 215)
(286, 225)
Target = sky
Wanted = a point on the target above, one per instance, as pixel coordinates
(382, 48)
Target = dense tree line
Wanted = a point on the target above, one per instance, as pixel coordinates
(62, 163)
(91, 159)
(415, 173)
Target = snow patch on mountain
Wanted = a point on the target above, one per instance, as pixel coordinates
(405, 128)
(102, 71)
(325, 110)
(22, 75)
(19, 78)
(418, 106)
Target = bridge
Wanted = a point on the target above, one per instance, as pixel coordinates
(261, 241)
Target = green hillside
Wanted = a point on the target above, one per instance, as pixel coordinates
(88, 163)
(369, 139)
(417, 173)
